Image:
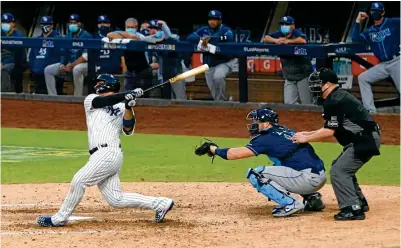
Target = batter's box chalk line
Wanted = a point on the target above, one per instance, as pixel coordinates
(57, 232)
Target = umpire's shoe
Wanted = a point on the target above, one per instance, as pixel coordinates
(364, 204)
(45, 221)
(165, 205)
(353, 212)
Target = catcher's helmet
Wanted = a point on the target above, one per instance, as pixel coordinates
(260, 115)
(107, 83)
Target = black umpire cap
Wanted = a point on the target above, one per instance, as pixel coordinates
(323, 76)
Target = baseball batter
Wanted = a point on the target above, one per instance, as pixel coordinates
(384, 40)
(106, 119)
(297, 168)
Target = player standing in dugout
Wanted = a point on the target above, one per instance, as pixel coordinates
(351, 124)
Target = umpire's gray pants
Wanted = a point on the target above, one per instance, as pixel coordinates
(343, 179)
(216, 79)
(6, 84)
(297, 92)
(376, 73)
(79, 73)
(289, 180)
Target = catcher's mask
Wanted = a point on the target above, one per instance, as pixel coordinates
(260, 115)
(319, 78)
(107, 83)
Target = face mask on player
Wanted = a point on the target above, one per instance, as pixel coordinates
(130, 30)
(73, 28)
(376, 15)
(285, 29)
(104, 30)
(5, 27)
(159, 35)
(46, 29)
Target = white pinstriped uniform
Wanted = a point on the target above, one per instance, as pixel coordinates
(103, 168)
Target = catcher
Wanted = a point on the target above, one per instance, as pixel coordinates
(297, 168)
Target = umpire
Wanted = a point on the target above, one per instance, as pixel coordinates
(351, 124)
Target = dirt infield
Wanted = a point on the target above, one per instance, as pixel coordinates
(206, 214)
(200, 121)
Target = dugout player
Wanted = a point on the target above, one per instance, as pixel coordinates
(297, 168)
(107, 61)
(72, 60)
(384, 40)
(220, 65)
(40, 58)
(108, 114)
(350, 123)
(296, 69)
(13, 60)
(138, 64)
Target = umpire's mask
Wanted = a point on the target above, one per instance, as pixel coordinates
(316, 81)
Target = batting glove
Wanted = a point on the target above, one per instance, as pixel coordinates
(138, 92)
(130, 100)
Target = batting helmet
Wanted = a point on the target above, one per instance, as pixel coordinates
(107, 83)
(261, 115)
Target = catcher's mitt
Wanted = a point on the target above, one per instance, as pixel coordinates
(204, 148)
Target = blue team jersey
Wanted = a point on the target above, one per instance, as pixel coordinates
(39, 58)
(215, 34)
(276, 143)
(13, 55)
(107, 61)
(384, 39)
(71, 55)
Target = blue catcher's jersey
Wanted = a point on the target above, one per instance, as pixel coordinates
(276, 143)
(384, 39)
(39, 58)
(107, 61)
(71, 55)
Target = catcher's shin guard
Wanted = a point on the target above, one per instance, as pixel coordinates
(266, 188)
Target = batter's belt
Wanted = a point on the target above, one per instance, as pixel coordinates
(93, 150)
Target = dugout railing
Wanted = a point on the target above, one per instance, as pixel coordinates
(324, 54)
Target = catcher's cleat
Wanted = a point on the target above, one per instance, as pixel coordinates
(313, 202)
(288, 210)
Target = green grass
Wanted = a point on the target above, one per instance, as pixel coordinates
(154, 158)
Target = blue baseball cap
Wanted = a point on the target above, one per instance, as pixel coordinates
(377, 6)
(103, 19)
(74, 17)
(215, 14)
(7, 17)
(153, 23)
(46, 20)
(287, 20)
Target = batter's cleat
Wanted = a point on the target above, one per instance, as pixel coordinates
(167, 205)
(313, 202)
(45, 221)
(350, 213)
(288, 210)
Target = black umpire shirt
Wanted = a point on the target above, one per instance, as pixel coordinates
(352, 123)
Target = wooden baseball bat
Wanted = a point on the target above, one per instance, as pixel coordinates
(182, 76)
